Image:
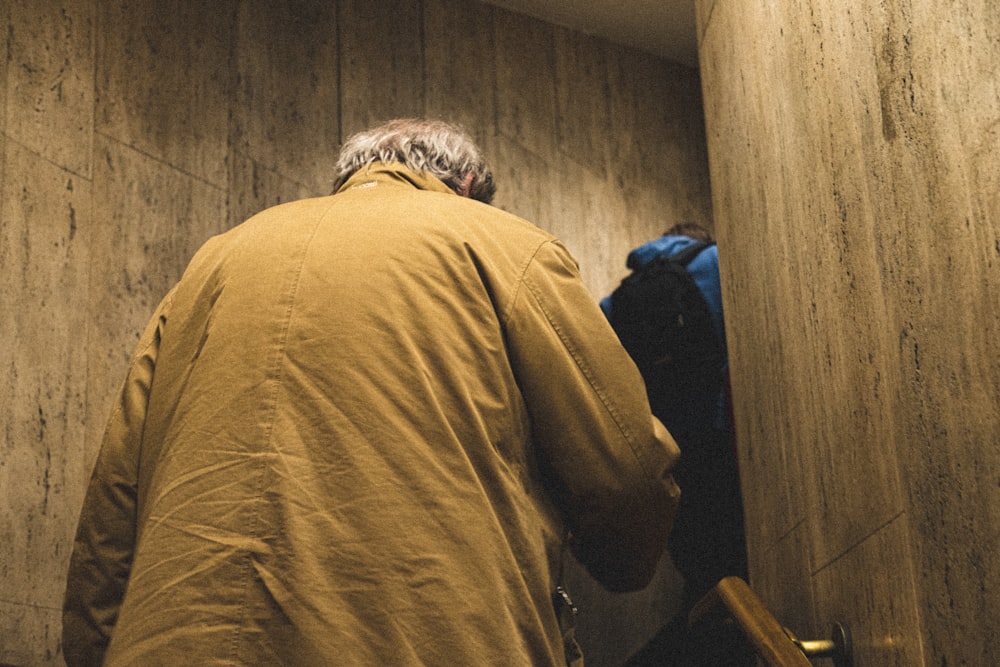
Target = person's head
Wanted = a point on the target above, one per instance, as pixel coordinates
(430, 146)
(691, 230)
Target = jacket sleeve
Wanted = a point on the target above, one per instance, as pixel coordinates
(102, 551)
(608, 461)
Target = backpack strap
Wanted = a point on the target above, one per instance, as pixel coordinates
(685, 256)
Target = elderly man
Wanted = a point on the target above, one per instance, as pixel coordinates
(361, 430)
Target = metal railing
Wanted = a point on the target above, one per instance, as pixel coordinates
(732, 601)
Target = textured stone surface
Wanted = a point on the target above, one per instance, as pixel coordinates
(381, 62)
(526, 109)
(286, 110)
(253, 187)
(44, 240)
(133, 131)
(583, 72)
(854, 151)
(165, 79)
(30, 635)
(459, 84)
(881, 611)
(50, 86)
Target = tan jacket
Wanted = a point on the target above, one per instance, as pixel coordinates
(357, 432)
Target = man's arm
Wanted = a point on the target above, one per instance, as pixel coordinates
(608, 460)
(105, 539)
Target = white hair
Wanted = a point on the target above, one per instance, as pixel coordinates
(430, 146)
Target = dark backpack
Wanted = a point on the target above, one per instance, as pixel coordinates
(664, 323)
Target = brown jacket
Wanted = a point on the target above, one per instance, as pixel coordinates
(357, 432)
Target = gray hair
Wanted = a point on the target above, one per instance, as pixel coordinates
(429, 146)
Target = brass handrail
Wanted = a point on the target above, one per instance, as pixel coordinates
(732, 599)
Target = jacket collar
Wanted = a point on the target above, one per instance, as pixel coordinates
(393, 173)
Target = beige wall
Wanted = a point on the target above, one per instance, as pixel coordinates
(133, 131)
(855, 163)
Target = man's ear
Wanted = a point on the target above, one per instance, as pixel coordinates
(465, 188)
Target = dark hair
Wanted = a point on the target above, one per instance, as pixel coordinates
(691, 230)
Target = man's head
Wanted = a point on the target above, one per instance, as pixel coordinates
(431, 146)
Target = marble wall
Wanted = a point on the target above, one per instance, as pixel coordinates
(132, 131)
(855, 152)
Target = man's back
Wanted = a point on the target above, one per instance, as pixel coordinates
(336, 462)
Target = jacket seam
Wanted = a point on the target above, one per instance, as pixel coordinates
(580, 362)
(270, 406)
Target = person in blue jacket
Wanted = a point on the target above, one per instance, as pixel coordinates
(707, 542)
(704, 270)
